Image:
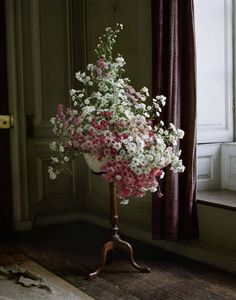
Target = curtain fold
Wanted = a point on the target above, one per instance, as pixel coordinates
(174, 75)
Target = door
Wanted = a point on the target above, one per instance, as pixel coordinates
(40, 49)
(5, 173)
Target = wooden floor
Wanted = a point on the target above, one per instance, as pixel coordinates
(73, 250)
(10, 256)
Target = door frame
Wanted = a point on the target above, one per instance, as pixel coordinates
(6, 218)
(15, 77)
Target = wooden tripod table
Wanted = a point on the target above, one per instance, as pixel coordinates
(116, 241)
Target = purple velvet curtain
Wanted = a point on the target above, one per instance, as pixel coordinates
(174, 75)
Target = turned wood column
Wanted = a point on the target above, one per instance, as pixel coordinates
(114, 216)
(116, 241)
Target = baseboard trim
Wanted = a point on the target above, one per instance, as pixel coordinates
(57, 219)
(207, 253)
(22, 225)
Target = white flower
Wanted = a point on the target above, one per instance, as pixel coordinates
(143, 98)
(50, 169)
(135, 161)
(161, 131)
(124, 201)
(131, 145)
(53, 146)
(140, 106)
(104, 102)
(79, 76)
(117, 146)
(162, 99)
(138, 172)
(128, 113)
(122, 152)
(150, 157)
(120, 61)
(88, 109)
(118, 157)
(72, 92)
(52, 176)
(180, 133)
(172, 127)
(54, 159)
(53, 121)
(130, 138)
(145, 91)
(90, 67)
(102, 86)
(61, 149)
(140, 142)
(86, 101)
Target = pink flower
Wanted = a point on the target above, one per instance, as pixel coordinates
(104, 124)
(125, 173)
(113, 151)
(101, 63)
(126, 192)
(130, 89)
(91, 132)
(155, 172)
(109, 178)
(76, 121)
(106, 113)
(66, 124)
(75, 144)
(59, 108)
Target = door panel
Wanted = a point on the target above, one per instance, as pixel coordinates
(42, 41)
(51, 68)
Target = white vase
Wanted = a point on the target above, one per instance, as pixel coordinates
(93, 163)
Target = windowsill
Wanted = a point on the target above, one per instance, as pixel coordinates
(218, 198)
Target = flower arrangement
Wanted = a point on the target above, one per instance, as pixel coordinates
(110, 120)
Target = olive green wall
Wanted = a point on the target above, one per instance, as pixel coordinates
(217, 226)
(134, 42)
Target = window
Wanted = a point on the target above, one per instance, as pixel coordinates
(214, 45)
